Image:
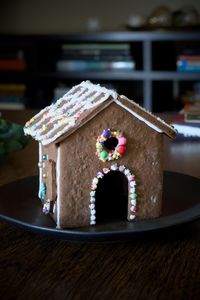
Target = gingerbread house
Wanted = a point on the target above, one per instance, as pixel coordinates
(100, 157)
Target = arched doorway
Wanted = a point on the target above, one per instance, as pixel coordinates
(112, 195)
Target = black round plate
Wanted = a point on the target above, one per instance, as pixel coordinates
(181, 204)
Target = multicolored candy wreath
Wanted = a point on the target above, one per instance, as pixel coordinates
(133, 208)
(103, 153)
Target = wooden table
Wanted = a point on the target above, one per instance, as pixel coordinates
(35, 266)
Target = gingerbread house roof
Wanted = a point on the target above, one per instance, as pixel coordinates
(78, 106)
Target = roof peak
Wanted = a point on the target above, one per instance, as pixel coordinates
(70, 111)
(97, 87)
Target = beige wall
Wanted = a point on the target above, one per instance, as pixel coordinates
(62, 16)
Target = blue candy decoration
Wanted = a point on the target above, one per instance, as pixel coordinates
(46, 207)
(42, 190)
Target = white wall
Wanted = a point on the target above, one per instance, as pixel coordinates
(64, 16)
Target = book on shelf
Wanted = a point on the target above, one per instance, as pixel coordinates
(16, 88)
(97, 51)
(81, 65)
(188, 63)
(96, 48)
(12, 61)
(95, 57)
(11, 53)
(12, 96)
(12, 64)
(192, 117)
(191, 96)
(187, 124)
(191, 112)
(12, 106)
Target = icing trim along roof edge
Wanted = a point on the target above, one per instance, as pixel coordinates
(68, 113)
(138, 116)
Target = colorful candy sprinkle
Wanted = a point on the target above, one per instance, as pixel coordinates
(122, 141)
(92, 200)
(121, 149)
(46, 207)
(99, 175)
(44, 156)
(133, 196)
(133, 202)
(114, 167)
(104, 154)
(95, 180)
(106, 133)
(106, 170)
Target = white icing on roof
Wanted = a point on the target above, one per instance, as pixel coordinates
(139, 117)
(57, 119)
(89, 85)
(146, 111)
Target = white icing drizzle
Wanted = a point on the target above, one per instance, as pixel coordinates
(72, 120)
(153, 199)
(96, 87)
(138, 116)
(62, 118)
(52, 109)
(82, 100)
(58, 186)
(44, 110)
(49, 113)
(69, 120)
(40, 169)
(146, 111)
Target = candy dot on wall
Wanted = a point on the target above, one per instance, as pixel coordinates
(106, 133)
(121, 149)
(122, 141)
(104, 154)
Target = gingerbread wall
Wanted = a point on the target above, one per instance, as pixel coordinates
(49, 170)
(79, 165)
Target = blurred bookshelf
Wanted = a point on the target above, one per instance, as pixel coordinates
(150, 67)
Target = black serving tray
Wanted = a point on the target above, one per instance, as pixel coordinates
(181, 204)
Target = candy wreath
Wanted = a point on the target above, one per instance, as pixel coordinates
(103, 153)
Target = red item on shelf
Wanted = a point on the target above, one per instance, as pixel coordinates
(13, 64)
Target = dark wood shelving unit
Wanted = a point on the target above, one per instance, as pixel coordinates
(126, 75)
(153, 64)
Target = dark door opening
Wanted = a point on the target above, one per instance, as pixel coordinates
(112, 197)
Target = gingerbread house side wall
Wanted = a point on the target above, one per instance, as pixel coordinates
(40, 169)
(79, 165)
(56, 214)
(47, 176)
